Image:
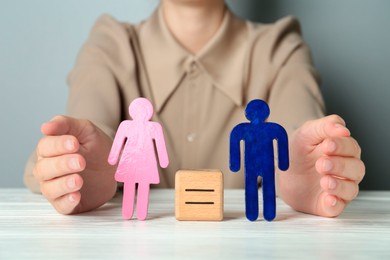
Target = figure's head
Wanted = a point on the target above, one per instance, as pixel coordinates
(141, 109)
(257, 111)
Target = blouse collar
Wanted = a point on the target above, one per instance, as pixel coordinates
(222, 58)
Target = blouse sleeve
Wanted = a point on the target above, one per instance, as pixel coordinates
(294, 95)
(292, 84)
(105, 66)
(281, 71)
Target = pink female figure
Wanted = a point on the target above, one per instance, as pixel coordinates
(138, 162)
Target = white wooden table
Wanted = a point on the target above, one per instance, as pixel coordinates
(31, 229)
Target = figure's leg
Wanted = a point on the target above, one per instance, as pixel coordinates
(142, 200)
(269, 196)
(128, 200)
(251, 197)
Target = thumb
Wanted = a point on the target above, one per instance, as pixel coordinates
(316, 131)
(64, 125)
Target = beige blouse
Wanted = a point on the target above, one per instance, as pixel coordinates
(197, 98)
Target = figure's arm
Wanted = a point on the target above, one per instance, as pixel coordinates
(117, 145)
(283, 155)
(235, 153)
(162, 153)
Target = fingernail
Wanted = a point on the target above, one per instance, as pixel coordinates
(340, 126)
(69, 145)
(331, 146)
(71, 198)
(332, 184)
(327, 165)
(333, 202)
(74, 164)
(71, 183)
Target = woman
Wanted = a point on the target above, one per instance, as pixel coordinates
(200, 65)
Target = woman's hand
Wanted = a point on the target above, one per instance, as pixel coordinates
(325, 168)
(72, 165)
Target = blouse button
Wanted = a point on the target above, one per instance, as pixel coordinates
(191, 137)
(193, 69)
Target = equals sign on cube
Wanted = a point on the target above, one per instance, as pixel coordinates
(199, 195)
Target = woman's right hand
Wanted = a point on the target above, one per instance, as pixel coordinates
(72, 165)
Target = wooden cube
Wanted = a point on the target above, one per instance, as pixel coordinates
(199, 195)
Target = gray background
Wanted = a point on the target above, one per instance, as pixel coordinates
(39, 41)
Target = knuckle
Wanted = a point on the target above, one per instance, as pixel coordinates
(37, 171)
(305, 128)
(357, 147)
(46, 192)
(307, 124)
(362, 171)
(336, 118)
(40, 147)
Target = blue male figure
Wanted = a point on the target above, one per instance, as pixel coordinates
(258, 137)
